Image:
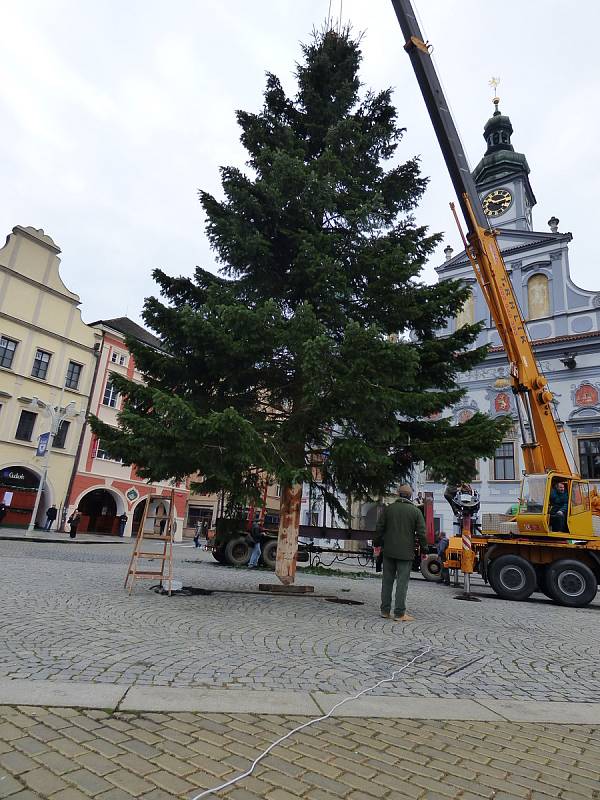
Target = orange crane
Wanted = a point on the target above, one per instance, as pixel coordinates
(560, 557)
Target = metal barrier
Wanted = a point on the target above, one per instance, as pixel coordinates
(364, 558)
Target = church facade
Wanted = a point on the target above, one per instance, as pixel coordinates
(563, 321)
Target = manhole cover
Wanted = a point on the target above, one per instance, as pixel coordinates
(441, 662)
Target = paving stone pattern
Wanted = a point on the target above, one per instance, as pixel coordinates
(65, 616)
(68, 754)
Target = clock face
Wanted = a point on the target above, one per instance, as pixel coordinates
(496, 202)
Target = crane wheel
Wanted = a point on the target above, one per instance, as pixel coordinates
(512, 577)
(571, 583)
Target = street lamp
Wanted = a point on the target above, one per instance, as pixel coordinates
(56, 415)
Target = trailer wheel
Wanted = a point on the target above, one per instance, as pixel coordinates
(571, 583)
(512, 577)
(269, 553)
(431, 568)
(237, 552)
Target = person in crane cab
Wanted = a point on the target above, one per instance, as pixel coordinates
(398, 527)
(559, 507)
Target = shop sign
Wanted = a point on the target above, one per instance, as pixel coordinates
(18, 477)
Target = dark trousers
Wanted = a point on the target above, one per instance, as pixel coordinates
(394, 570)
(558, 522)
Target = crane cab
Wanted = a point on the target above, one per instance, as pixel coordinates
(557, 506)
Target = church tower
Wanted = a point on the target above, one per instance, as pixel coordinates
(502, 177)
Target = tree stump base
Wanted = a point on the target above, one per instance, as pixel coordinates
(277, 588)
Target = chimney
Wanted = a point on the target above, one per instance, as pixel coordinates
(553, 223)
(448, 251)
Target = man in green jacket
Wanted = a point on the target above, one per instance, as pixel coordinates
(397, 528)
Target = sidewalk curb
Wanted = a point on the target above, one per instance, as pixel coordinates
(65, 539)
(71, 694)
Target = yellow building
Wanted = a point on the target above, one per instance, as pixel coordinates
(46, 351)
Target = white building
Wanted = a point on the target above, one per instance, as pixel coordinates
(563, 322)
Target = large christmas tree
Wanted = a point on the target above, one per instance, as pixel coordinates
(318, 337)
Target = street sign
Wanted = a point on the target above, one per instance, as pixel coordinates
(42, 444)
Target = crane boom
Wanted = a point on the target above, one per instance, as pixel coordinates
(541, 439)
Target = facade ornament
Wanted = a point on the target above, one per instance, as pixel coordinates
(585, 395)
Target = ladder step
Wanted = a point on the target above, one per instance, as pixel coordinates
(142, 554)
(145, 574)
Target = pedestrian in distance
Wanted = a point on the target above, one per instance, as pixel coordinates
(398, 527)
(256, 538)
(122, 524)
(3, 510)
(442, 546)
(51, 515)
(74, 521)
(198, 534)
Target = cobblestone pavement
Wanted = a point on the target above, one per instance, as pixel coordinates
(65, 617)
(67, 754)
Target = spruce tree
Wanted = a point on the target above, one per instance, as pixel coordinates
(318, 339)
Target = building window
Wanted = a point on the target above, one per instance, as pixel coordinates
(589, 458)
(100, 453)
(25, 426)
(7, 351)
(73, 375)
(118, 358)
(104, 455)
(466, 316)
(199, 514)
(40, 364)
(278, 490)
(504, 462)
(110, 395)
(59, 439)
(538, 297)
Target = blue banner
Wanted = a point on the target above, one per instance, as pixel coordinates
(42, 444)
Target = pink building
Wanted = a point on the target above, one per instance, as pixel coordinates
(103, 489)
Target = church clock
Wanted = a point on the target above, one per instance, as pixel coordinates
(497, 202)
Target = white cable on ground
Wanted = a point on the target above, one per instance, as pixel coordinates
(281, 739)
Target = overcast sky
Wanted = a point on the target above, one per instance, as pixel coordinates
(114, 114)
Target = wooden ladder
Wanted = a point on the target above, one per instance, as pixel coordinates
(142, 550)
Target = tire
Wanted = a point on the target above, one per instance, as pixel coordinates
(269, 553)
(512, 577)
(431, 568)
(571, 583)
(237, 552)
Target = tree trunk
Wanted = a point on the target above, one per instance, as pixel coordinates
(287, 541)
